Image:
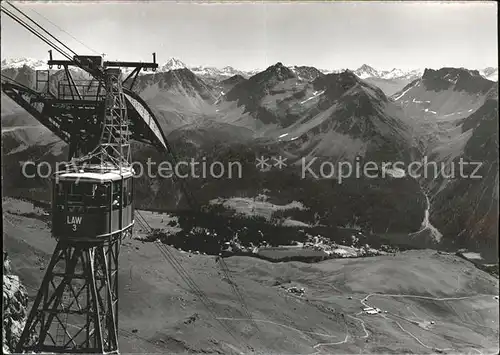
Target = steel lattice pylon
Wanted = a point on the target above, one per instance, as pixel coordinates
(77, 301)
(76, 307)
(115, 140)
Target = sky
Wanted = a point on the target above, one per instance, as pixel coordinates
(256, 35)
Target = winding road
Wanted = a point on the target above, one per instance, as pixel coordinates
(363, 301)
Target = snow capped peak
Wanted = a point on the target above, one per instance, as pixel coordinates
(489, 73)
(406, 74)
(365, 71)
(36, 64)
(254, 71)
(201, 70)
(172, 64)
(225, 72)
(394, 73)
(230, 71)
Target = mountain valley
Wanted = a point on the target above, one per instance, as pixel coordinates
(310, 118)
(160, 313)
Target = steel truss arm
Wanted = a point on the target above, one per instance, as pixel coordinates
(72, 85)
(36, 105)
(134, 74)
(67, 118)
(95, 66)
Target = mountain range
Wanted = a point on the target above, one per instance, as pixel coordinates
(364, 72)
(310, 115)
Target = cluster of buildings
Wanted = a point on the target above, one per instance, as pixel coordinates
(234, 246)
(329, 247)
(296, 290)
(371, 310)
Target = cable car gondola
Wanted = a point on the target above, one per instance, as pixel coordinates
(88, 205)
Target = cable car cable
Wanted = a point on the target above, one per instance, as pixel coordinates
(43, 29)
(62, 30)
(170, 257)
(185, 276)
(35, 32)
(96, 74)
(192, 284)
(234, 286)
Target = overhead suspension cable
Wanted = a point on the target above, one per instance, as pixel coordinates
(177, 266)
(225, 269)
(227, 272)
(192, 284)
(46, 40)
(43, 29)
(62, 30)
(35, 32)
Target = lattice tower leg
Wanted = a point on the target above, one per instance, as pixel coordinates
(87, 321)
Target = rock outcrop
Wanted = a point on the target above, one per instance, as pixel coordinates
(15, 308)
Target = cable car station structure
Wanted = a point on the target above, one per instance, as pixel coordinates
(76, 308)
